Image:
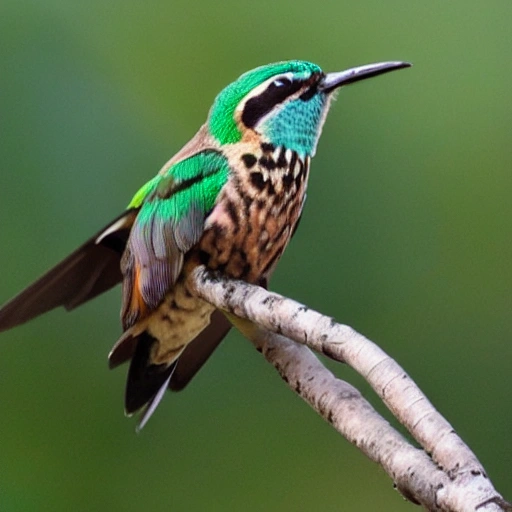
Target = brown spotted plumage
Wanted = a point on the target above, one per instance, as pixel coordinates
(257, 212)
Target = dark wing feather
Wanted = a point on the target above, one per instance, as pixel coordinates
(90, 270)
(199, 350)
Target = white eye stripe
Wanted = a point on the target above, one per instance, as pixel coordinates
(265, 85)
(283, 79)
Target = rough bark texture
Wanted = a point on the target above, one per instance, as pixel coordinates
(443, 476)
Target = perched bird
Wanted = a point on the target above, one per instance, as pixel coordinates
(230, 199)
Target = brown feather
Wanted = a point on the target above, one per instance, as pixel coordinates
(89, 271)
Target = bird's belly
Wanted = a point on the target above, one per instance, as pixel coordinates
(176, 322)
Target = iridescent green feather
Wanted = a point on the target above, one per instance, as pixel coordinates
(173, 208)
(297, 125)
(221, 121)
(143, 192)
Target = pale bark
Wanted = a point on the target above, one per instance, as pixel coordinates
(443, 476)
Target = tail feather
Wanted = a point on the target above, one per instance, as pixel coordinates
(194, 356)
(146, 381)
(122, 351)
(151, 406)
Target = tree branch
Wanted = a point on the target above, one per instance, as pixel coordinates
(450, 479)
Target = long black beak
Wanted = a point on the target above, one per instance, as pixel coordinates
(332, 81)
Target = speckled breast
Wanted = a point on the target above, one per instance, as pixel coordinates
(256, 214)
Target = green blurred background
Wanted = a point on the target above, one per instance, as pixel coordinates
(406, 236)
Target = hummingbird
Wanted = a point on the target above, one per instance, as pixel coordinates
(230, 200)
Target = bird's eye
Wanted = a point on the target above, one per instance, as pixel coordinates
(276, 92)
(281, 82)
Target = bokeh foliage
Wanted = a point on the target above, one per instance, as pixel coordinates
(406, 236)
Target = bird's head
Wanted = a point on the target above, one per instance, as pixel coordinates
(284, 103)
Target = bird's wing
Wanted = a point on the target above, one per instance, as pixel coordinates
(90, 270)
(173, 207)
(198, 351)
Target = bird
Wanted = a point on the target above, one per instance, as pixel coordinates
(230, 199)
